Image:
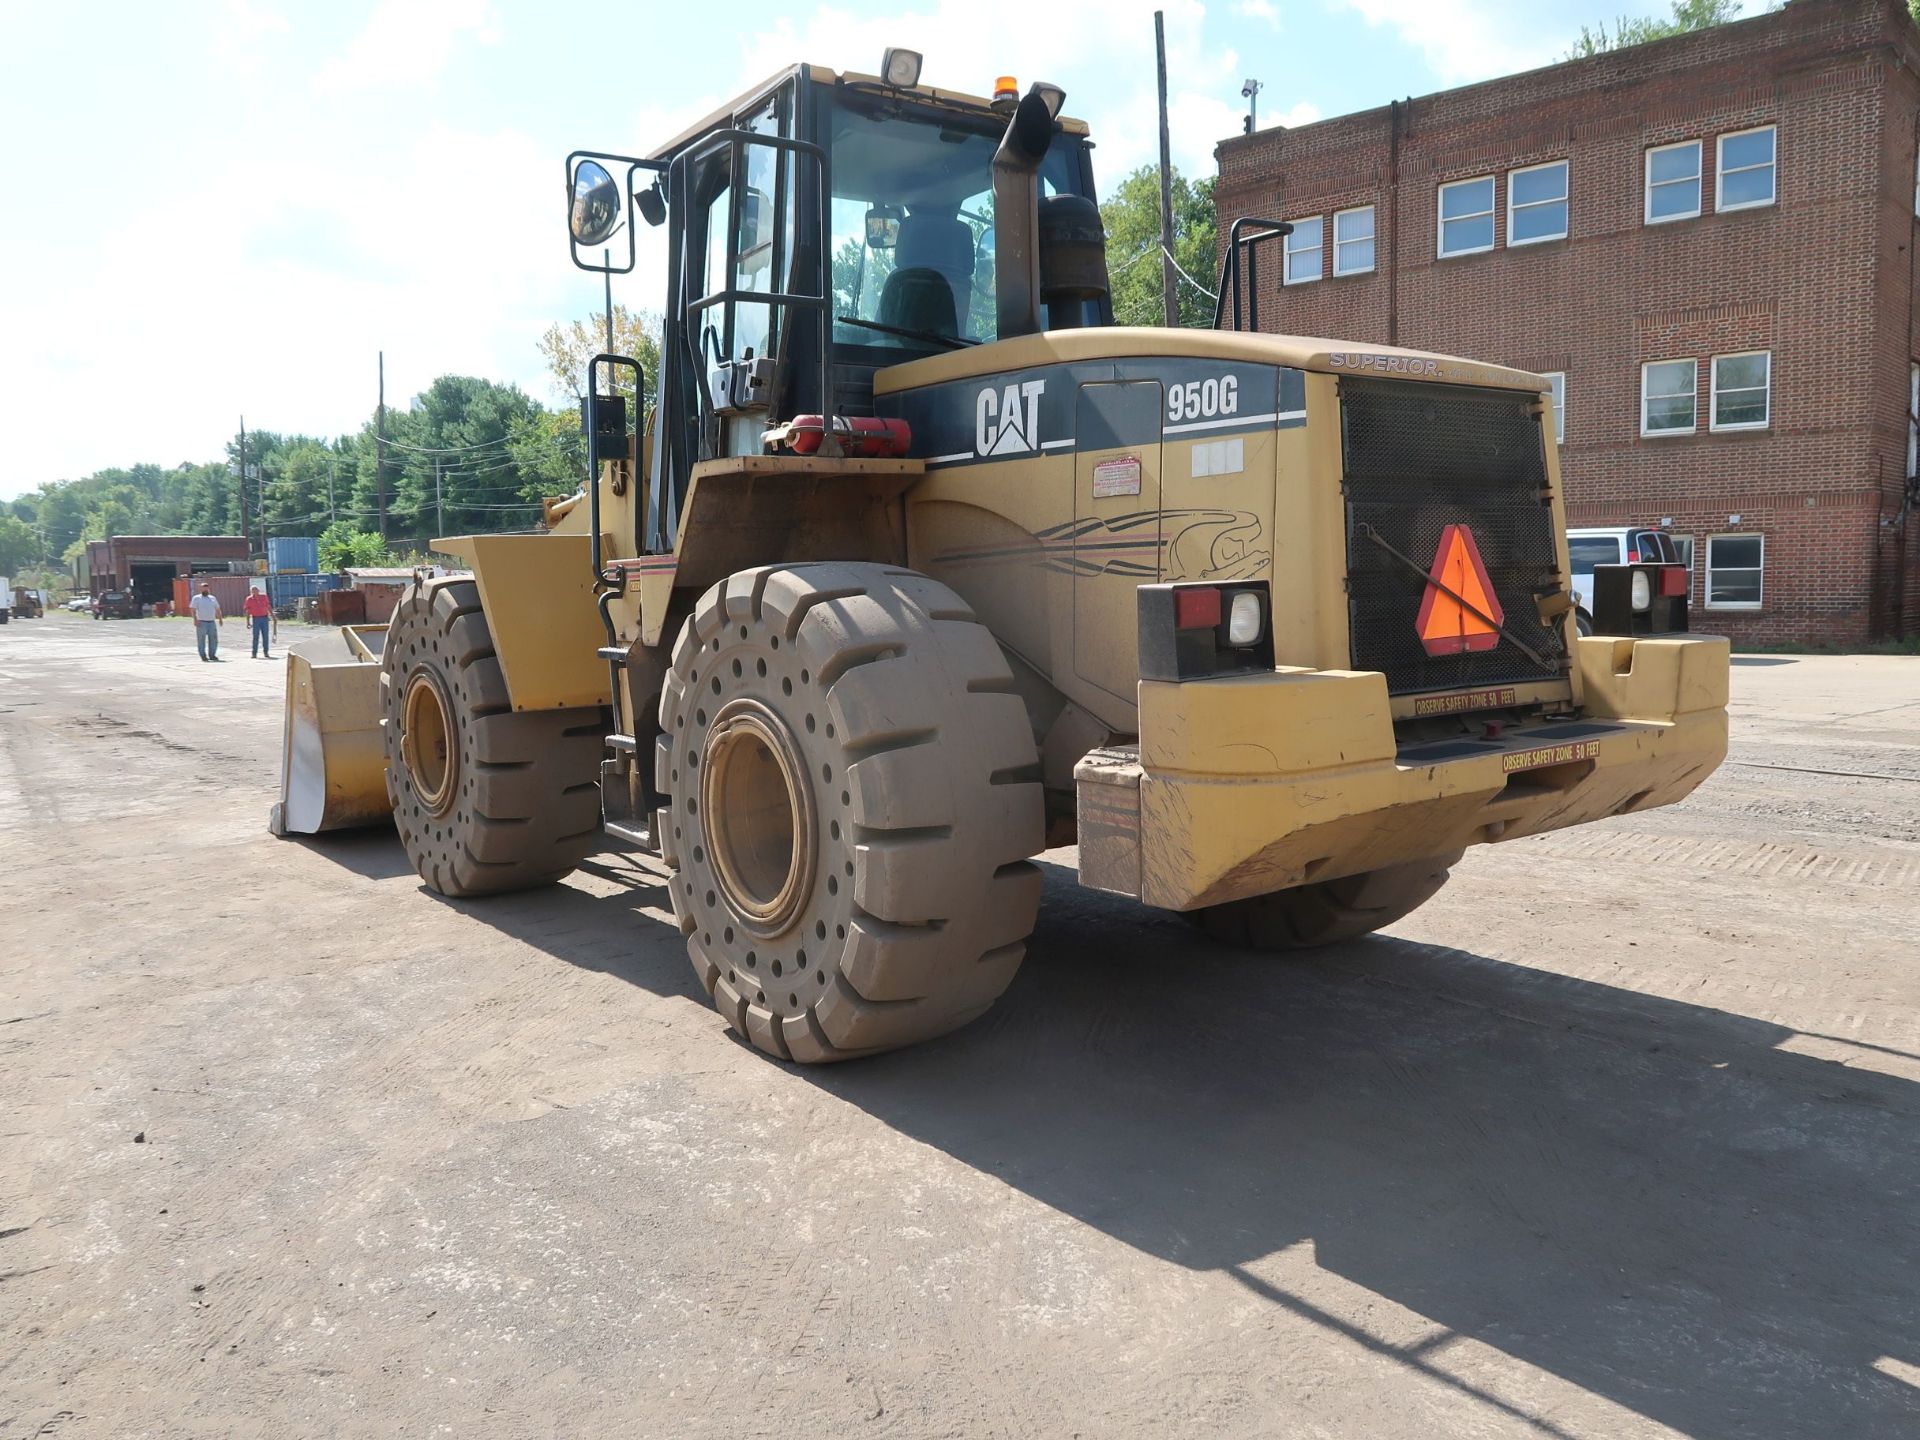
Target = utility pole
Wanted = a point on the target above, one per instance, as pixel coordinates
(439, 515)
(1170, 299)
(380, 462)
(332, 465)
(240, 479)
(1251, 90)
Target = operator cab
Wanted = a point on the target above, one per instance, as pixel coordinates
(781, 306)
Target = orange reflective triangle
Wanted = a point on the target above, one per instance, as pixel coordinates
(1446, 626)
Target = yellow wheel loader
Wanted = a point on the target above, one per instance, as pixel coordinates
(920, 565)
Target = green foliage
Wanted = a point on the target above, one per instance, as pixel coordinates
(1132, 219)
(570, 346)
(342, 545)
(19, 545)
(1688, 15)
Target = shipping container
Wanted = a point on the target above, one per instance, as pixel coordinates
(293, 554)
(286, 589)
(229, 590)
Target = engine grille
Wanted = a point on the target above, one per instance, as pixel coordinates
(1417, 458)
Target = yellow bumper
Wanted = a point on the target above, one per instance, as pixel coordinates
(1253, 784)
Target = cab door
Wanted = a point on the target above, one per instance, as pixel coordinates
(1116, 537)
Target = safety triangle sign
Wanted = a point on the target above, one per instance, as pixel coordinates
(1446, 626)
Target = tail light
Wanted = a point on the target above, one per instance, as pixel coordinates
(1195, 632)
(1640, 599)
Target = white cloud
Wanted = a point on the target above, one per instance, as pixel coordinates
(1468, 40)
(406, 42)
(1257, 10)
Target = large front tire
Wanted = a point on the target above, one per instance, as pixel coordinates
(853, 794)
(486, 800)
(1328, 911)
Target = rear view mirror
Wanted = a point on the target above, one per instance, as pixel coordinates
(595, 211)
(883, 227)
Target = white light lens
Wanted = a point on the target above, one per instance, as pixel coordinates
(902, 68)
(1642, 590)
(1244, 618)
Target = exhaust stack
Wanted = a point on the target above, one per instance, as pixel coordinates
(1016, 214)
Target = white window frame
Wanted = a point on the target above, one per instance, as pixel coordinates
(1694, 428)
(1373, 238)
(1685, 543)
(1760, 571)
(1713, 392)
(1565, 200)
(1699, 178)
(1289, 250)
(1720, 170)
(1441, 217)
(1558, 379)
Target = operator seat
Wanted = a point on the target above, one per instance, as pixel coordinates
(931, 286)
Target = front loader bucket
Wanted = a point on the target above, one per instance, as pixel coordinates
(333, 772)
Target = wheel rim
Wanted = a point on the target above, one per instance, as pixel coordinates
(426, 743)
(759, 816)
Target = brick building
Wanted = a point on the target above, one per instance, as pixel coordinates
(148, 564)
(1708, 242)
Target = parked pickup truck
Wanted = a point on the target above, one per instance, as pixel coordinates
(115, 605)
(1612, 545)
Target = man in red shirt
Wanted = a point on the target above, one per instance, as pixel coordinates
(260, 615)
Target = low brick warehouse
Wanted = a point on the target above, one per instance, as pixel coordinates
(1708, 242)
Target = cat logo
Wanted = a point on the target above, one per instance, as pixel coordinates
(1007, 422)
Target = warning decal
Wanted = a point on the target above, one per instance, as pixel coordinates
(1446, 625)
(1119, 476)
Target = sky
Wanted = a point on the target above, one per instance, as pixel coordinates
(218, 208)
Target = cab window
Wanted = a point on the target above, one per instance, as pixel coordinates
(913, 225)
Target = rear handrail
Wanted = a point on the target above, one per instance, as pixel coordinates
(1230, 270)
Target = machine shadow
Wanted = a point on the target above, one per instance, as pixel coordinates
(613, 933)
(373, 853)
(1647, 1199)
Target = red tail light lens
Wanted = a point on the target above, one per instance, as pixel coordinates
(1196, 609)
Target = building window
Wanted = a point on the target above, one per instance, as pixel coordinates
(1913, 420)
(1683, 547)
(1466, 216)
(1734, 563)
(1667, 397)
(1303, 252)
(1740, 390)
(1537, 204)
(1558, 380)
(1353, 241)
(1746, 170)
(1673, 182)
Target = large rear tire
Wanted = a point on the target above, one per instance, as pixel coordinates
(853, 794)
(486, 800)
(1328, 911)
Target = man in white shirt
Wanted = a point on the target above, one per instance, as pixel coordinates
(206, 622)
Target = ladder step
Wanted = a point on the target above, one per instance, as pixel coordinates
(624, 742)
(642, 838)
(615, 653)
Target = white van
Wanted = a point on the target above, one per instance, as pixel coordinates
(1613, 545)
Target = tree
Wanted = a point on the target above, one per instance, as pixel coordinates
(19, 545)
(568, 347)
(1132, 218)
(343, 544)
(1688, 15)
